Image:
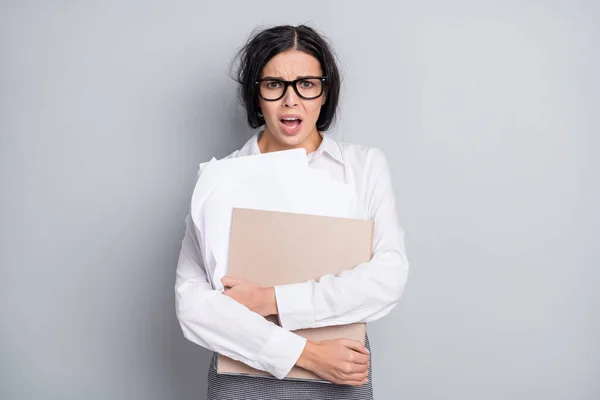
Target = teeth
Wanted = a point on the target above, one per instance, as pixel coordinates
(290, 119)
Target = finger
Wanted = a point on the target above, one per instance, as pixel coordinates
(228, 281)
(356, 376)
(354, 368)
(359, 358)
(357, 381)
(356, 346)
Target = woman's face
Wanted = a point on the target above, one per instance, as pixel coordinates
(291, 121)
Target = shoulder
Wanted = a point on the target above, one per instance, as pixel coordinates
(367, 169)
(363, 156)
(234, 154)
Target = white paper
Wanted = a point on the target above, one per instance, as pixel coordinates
(215, 172)
(305, 192)
(276, 181)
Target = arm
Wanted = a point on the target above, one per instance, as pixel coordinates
(370, 290)
(219, 323)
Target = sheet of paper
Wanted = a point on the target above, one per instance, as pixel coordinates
(295, 190)
(216, 172)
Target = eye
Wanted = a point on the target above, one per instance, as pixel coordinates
(273, 85)
(306, 84)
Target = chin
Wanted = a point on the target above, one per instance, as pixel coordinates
(290, 140)
(295, 140)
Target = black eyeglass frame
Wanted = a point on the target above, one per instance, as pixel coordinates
(293, 83)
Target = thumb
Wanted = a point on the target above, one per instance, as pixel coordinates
(228, 281)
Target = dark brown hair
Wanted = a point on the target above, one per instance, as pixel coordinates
(262, 45)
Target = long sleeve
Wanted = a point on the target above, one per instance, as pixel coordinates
(370, 290)
(219, 323)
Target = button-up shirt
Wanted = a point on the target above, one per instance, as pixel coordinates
(364, 293)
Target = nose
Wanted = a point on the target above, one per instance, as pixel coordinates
(290, 98)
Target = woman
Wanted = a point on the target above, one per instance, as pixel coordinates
(289, 85)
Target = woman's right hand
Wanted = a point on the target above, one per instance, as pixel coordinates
(339, 361)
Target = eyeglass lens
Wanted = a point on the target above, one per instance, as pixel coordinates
(309, 88)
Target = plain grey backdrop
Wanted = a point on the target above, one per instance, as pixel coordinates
(487, 111)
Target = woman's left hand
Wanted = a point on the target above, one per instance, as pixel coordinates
(259, 299)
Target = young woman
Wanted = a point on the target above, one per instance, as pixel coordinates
(289, 85)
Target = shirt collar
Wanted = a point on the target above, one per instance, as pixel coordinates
(328, 145)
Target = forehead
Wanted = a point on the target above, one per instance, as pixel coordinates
(290, 64)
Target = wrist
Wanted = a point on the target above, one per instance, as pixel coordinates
(270, 301)
(308, 356)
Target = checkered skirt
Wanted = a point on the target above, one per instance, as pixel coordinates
(230, 387)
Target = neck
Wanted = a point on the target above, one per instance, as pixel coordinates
(267, 142)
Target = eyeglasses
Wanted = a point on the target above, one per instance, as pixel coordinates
(308, 87)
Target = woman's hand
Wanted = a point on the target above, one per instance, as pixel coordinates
(340, 361)
(259, 299)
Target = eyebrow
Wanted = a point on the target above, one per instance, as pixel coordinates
(280, 78)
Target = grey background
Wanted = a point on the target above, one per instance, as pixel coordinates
(488, 112)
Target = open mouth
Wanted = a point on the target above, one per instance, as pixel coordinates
(291, 122)
(291, 125)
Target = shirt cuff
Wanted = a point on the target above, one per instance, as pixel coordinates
(294, 305)
(281, 352)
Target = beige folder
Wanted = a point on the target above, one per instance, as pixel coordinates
(277, 248)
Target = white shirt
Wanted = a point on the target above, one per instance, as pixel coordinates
(363, 294)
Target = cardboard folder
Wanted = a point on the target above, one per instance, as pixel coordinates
(276, 248)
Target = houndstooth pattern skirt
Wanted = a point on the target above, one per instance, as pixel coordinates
(230, 387)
